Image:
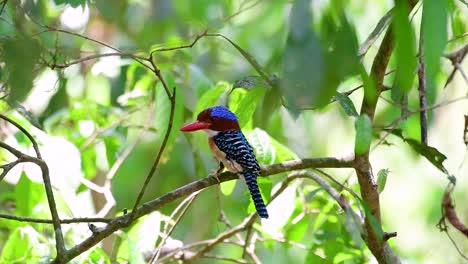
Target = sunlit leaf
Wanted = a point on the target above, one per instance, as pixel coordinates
(374, 35)
(244, 106)
(211, 97)
(140, 239)
(24, 246)
(31, 194)
(382, 179)
(363, 128)
(314, 258)
(298, 230)
(228, 187)
(261, 143)
(97, 256)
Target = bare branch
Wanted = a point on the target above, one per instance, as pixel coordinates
(60, 244)
(62, 221)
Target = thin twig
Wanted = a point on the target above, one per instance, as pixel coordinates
(163, 144)
(422, 100)
(62, 221)
(396, 122)
(60, 244)
(185, 204)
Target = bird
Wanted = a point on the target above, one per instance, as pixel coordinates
(230, 148)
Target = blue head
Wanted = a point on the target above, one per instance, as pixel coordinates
(217, 118)
(221, 112)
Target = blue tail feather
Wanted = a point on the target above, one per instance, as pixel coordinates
(251, 180)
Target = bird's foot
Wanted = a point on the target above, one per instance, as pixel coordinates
(218, 172)
(215, 174)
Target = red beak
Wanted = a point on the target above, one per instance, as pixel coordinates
(197, 125)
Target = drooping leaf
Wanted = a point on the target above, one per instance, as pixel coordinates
(374, 35)
(20, 55)
(363, 140)
(303, 62)
(430, 153)
(346, 104)
(434, 29)
(382, 179)
(405, 51)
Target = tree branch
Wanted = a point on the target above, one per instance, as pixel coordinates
(156, 204)
(368, 186)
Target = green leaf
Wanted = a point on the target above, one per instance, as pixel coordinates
(29, 194)
(88, 162)
(458, 22)
(210, 98)
(434, 29)
(373, 221)
(283, 153)
(314, 258)
(243, 104)
(374, 35)
(363, 140)
(23, 246)
(112, 144)
(405, 51)
(140, 239)
(430, 153)
(303, 61)
(73, 3)
(346, 104)
(264, 150)
(228, 187)
(20, 55)
(382, 179)
(97, 256)
(297, 231)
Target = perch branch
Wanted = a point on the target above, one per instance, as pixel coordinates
(156, 204)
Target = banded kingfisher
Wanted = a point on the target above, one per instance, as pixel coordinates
(230, 148)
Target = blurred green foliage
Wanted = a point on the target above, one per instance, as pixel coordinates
(273, 63)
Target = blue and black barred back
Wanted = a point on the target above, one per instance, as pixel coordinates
(234, 144)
